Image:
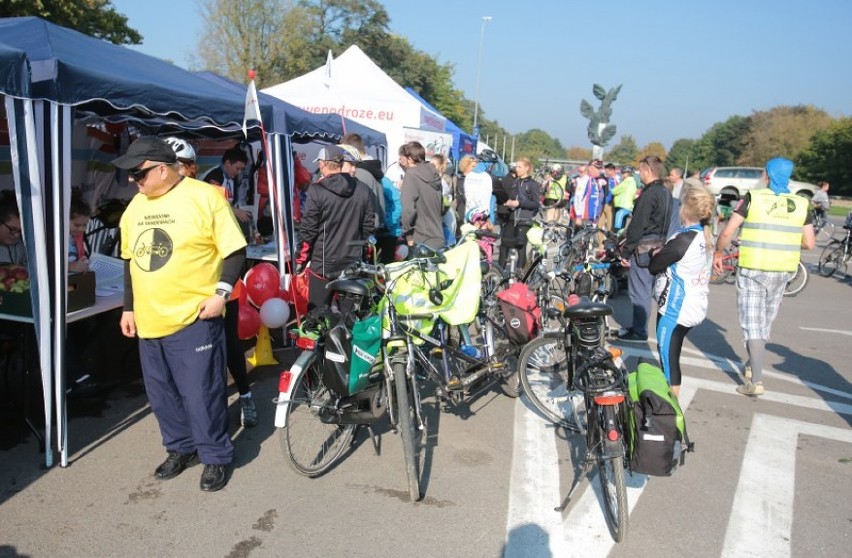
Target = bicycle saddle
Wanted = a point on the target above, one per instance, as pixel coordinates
(360, 287)
(587, 309)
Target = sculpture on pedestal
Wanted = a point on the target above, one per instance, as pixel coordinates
(600, 130)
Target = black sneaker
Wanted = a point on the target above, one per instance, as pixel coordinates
(174, 465)
(213, 478)
(631, 336)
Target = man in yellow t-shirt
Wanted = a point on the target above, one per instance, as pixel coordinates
(183, 252)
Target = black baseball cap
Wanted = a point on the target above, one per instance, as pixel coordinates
(149, 148)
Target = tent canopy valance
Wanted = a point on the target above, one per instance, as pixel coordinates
(70, 68)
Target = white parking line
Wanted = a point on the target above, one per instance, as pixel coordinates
(763, 503)
(533, 528)
(838, 331)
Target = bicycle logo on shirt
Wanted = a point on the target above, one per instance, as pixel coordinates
(153, 249)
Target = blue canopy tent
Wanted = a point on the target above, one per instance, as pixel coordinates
(463, 143)
(50, 76)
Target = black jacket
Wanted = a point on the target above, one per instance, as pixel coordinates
(529, 197)
(652, 214)
(337, 211)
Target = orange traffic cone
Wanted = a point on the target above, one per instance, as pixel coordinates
(263, 349)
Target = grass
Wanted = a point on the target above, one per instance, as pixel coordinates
(840, 207)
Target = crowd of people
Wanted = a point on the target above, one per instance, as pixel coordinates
(184, 246)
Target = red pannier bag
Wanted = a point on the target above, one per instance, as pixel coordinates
(521, 312)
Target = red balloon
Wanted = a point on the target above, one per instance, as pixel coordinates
(262, 283)
(239, 292)
(249, 322)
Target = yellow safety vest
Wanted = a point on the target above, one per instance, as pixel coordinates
(556, 188)
(771, 238)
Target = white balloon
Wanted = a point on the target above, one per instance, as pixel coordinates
(274, 313)
(401, 252)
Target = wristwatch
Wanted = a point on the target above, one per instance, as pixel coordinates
(224, 293)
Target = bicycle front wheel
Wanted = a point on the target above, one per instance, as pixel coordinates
(830, 258)
(798, 281)
(544, 370)
(311, 443)
(407, 424)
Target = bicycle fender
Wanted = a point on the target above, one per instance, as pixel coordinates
(297, 370)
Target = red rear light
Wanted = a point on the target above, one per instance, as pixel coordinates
(609, 398)
(306, 343)
(612, 435)
(284, 380)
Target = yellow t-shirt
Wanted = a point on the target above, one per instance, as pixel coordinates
(176, 244)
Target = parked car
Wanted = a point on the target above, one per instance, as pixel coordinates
(733, 182)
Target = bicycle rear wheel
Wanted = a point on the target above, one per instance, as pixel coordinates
(830, 258)
(544, 370)
(311, 444)
(798, 281)
(611, 477)
(407, 424)
(827, 231)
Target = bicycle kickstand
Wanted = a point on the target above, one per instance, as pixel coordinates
(587, 463)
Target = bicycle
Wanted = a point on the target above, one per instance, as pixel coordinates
(836, 254)
(823, 227)
(576, 382)
(730, 262)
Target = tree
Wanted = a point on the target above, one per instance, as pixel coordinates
(782, 131)
(538, 144)
(654, 148)
(829, 157)
(682, 155)
(96, 18)
(578, 153)
(624, 152)
(240, 36)
(723, 143)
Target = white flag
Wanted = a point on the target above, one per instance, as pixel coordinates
(252, 107)
(327, 77)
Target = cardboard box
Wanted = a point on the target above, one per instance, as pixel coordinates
(81, 290)
(81, 294)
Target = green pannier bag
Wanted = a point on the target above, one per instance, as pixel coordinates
(658, 440)
(366, 345)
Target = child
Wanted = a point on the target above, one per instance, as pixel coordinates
(682, 267)
(80, 214)
(479, 218)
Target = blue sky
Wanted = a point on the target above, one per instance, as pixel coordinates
(684, 65)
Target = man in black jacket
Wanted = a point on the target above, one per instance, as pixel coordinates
(337, 211)
(651, 216)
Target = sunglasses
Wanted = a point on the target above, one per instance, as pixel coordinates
(140, 174)
(12, 230)
(651, 159)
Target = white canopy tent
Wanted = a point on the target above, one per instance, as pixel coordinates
(353, 86)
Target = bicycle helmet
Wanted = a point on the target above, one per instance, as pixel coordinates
(628, 169)
(476, 215)
(184, 151)
(555, 167)
(488, 156)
